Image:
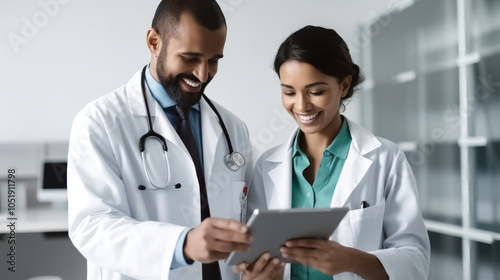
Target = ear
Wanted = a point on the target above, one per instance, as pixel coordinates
(345, 85)
(154, 42)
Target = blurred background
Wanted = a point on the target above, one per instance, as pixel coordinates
(432, 85)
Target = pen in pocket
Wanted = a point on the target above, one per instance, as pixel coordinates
(364, 204)
(243, 204)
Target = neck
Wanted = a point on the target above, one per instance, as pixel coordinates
(318, 142)
(152, 69)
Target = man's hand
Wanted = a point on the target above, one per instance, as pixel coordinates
(215, 238)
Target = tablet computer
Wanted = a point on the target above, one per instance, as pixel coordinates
(272, 228)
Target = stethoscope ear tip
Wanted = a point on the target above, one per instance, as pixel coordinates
(141, 187)
(178, 185)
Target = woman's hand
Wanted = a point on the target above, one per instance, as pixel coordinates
(326, 256)
(264, 268)
(332, 258)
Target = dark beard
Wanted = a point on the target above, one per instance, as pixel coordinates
(172, 85)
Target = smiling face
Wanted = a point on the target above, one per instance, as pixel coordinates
(312, 98)
(186, 62)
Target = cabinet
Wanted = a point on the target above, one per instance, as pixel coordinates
(433, 86)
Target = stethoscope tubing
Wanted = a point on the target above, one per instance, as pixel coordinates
(221, 122)
(234, 160)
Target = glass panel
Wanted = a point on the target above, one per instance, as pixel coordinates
(398, 112)
(395, 112)
(486, 26)
(485, 97)
(446, 257)
(485, 185)
(485, 261)
(442, 113)
(426, 33)
(437, 33)
(394, 45)
(437, 171)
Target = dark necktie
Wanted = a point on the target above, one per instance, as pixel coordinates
(210, 271)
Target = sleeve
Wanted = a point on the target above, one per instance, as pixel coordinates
(179, 259)
(406, 248)
(100, 222)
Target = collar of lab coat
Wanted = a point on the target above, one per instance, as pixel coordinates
(355, 167)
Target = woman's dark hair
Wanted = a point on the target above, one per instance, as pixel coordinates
(322, 48)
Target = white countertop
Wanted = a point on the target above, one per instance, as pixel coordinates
(38, 219)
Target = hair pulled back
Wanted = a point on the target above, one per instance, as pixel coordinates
(325, 50)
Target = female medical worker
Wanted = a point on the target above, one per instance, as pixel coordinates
(330, 161)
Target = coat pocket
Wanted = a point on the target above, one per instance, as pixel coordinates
(366, 227)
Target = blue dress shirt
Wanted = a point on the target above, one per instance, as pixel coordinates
(168, 105)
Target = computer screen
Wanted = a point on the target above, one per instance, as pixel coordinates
(52, 186)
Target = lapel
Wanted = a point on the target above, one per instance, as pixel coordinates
(135, 99)
(279, 164)
(211, 132)
(356, 165)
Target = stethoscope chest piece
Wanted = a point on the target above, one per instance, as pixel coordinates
(235, 161)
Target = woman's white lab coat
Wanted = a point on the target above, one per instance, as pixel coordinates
(375, 171)
(127, 233)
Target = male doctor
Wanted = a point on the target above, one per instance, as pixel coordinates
(126, 225)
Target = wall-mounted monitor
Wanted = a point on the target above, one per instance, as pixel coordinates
(52, 182)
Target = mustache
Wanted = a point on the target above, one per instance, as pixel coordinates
(193, 78)
(190, 77)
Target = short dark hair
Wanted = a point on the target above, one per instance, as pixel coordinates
(322, 48)
(206, 12)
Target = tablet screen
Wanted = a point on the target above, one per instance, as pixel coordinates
(272, 228)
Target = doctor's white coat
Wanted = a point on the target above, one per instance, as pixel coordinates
(375, 171)
(127, 233)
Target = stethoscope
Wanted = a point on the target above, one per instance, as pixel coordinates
(233, 160)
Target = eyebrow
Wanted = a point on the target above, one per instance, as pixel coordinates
(307, 86)
(200, 54)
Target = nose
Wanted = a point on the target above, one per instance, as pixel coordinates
(302, 103)
(202, 72)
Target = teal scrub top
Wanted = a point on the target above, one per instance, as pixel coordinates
(321, 192)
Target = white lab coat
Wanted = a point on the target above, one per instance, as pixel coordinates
(375, 171)
(127, 233)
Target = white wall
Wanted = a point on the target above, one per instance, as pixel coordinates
(64, 54)
(57, 55)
